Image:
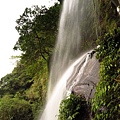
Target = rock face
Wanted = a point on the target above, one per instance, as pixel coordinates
(85, 77)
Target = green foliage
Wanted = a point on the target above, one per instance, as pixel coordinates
(15, 109)
(27, 83)
(108, 16)
(109, 45)
(36, 94)
(37, 28)
(73, 108)
(106, 104)
(17, 81)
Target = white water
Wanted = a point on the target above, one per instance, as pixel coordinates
(75, 36)
(82, 61)
(76, 27)
(59, 92)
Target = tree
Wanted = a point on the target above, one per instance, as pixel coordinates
(15, 109)
(17, 81)
(37, 28)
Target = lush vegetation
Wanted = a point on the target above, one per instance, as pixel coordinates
(74, 108)
(23, 92)
(15, 109)
(106, 103)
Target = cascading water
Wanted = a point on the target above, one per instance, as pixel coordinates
(76, 35)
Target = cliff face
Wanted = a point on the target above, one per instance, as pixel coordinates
(85, 76)
(106, 77)
(105, 104)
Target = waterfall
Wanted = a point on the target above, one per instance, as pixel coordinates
(77, 35)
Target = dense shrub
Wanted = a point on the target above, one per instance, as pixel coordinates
(73, 108)
(15, 109)
(106, 104)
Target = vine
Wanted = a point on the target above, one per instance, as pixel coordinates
(106, 103)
